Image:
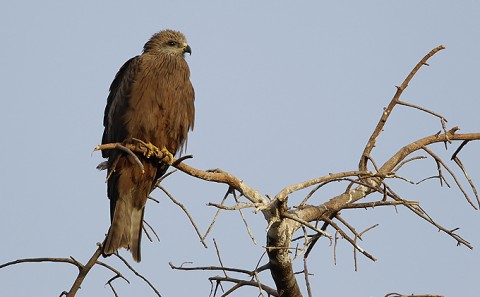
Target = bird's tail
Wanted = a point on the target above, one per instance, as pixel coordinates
(125, 231)
(128, 188)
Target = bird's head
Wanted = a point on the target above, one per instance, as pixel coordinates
(167, 42)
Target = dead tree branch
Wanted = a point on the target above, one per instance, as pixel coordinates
(373, 138)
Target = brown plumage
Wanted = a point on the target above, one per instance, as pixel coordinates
(151, 99)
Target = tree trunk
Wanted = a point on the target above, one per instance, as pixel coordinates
(278, 243)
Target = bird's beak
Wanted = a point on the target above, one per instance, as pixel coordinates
(187, 49)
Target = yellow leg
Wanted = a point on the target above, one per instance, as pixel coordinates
(152, 150)
(167, 156)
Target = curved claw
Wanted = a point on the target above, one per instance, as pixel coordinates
(167, 156)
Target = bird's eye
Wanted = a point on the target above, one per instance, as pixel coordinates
(172, 43)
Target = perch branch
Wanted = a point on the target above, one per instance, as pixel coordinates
(216, 175)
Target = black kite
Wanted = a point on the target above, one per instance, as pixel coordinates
(151, 99)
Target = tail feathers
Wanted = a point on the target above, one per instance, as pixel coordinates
(125, 231)
(136, 233)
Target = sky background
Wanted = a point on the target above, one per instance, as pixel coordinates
(284, 92)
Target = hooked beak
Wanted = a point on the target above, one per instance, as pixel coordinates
(187, 49)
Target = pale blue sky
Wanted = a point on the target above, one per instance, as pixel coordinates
(284, 92)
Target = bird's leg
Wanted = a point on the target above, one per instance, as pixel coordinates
(167, 156)
(152, 150)
(163, 154)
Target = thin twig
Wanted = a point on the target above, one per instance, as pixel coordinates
(163, 177)
(406, 161)
(355, 240)
(423, 109)
(307, 281)
(213, 268)
(137, 274)
(459, 185)
(350, 227)
(421, 213)
(186, 212)
(307, 224)
(460, 147)
(380, 203)
(109, 283)
(335, 247)
(210, 227)
(241, 283)
(244, 220)
(352, 242)
(219, 258)
(472, 185)
(153, 230)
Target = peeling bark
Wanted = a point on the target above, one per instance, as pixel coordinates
(278, 244)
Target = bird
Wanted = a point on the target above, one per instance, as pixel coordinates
(150, 99)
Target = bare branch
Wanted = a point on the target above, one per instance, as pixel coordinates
(386, 113)
(332, 176)
(423, 142)
(350, 227)
(380, 203)
(138, 274)
(218, 256)
(244, 221)
(186, 212)
(421, 213)
(307, 281)
(237, 206)
(423, 109)
(36, 260)
(359, 236)
(459, 185)
(241, 283)
(153, 230)
(214, 268)
(460, 147)
(305, 223)
(406, 161)
(351, 241)
(459, 163)
(216, 214)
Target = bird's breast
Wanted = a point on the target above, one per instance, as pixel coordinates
(158, 111)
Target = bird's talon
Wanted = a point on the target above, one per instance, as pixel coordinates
(152, 150)
(167, 156)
